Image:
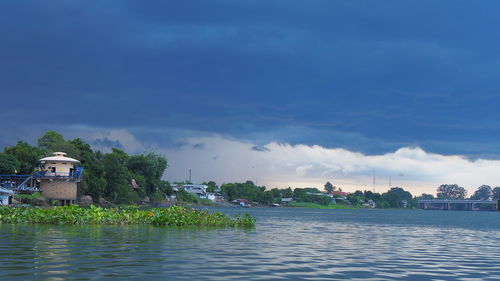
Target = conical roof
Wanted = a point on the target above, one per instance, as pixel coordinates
(59, 157)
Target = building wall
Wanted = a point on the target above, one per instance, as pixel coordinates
(58, 189)
(5, 199)
(62, 168)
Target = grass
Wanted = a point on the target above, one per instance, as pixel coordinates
(172, 216)
(318, 206)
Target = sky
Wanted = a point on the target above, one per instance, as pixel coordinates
(284, 93)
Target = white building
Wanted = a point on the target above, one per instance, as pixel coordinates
(200, 190)
(5, 196)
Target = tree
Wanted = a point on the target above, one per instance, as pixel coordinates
(312, 190)
(151, 166)
(287, 193)
(26, 155)
(118, 187)
(329, 187)
(451, 191)
(8, 164)
(426, 196)
(50, 140)
(496, 193)
(93, 183)
(299, 194)
(355, 199)
(395, 196)
(484, 192)
(211, 186)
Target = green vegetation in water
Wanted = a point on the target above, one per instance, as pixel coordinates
(172, 216)
(319, 206)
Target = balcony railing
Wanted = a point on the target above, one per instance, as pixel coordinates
(76, 175)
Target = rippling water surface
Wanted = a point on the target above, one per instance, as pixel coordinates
(286, 244)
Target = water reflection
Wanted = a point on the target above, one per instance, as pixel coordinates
(286, 244)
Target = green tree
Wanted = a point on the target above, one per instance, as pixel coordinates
(287, 193)
(451, 191)
(299, 194)
(211, 186)
(151, 166)
(395, 196)
(117, 176)
(426, 196)
(94, 182)
(496, 193)
(245, 190)
(50, 140)
(8, 164)
(484, 192)
(356, 199)
(27, 156)
(329, 187)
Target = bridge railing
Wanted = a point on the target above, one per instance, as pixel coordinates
(457, 201)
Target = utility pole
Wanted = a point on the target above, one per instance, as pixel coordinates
(374, 181)
(190, 175)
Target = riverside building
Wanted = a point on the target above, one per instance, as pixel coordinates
(58, 177)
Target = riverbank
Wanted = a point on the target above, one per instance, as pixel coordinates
(318, 206)
(75, 215)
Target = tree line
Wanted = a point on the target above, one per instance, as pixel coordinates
(105, 175)
(454, 191)
(109, 176)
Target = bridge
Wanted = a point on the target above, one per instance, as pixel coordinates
(18, 183)
(458, 204)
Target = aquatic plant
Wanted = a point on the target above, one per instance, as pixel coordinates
(172, 216)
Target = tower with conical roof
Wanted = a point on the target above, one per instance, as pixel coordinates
(58, 176)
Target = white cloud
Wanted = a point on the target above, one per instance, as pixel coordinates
(225, 160)
(282, 165)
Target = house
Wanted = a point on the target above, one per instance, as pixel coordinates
(195, 188)
(370, 204)
(340, 194)
(286, 200)
(5, 196)
(241, 202)
(200, 190)
(404, 203)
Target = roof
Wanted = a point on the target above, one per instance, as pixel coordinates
(240, 200)
(59, 157)
(6, 191)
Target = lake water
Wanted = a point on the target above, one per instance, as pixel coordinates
(286, 244)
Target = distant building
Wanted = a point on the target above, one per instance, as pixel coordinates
(5, 196)
(340, 194)
(200, 190)
(241, 202)
(195, 188)
(370, 204)
(404, 203)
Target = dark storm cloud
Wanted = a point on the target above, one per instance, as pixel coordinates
(105, 142)
(260, 148)
(370, 76)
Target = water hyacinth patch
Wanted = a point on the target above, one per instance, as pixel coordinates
(172, 216)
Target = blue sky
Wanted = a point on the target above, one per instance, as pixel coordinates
(366, 76)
